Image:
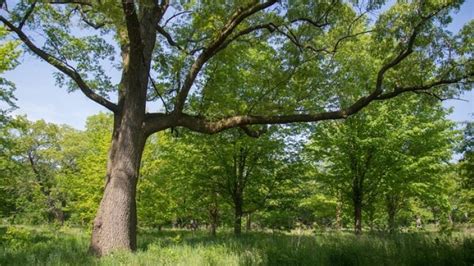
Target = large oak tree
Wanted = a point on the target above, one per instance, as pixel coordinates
(218, 66)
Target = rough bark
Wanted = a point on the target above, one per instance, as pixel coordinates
(115, 224)
(116, 221)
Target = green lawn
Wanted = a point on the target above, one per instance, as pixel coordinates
(67, 246)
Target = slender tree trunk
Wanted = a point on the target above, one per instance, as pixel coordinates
(370, 218)
(391, 212)
(357, 201)
(238, 215)
(115, 224)
(214, 215)
(357, 219)
(338, 223)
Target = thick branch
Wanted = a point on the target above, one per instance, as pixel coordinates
(158, 121)
(425, 87)
(133, 25)
(61, 66)
(202, 125)
(77, 2)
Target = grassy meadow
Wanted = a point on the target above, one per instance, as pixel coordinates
(68, 246)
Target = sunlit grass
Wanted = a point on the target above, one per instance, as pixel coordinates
(66, 246)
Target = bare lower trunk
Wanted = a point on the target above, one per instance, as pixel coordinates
(238, 217)
(214, 217)
(391, 212)
(116, 221)
(358, 220)
(213, 226)
(357, 201)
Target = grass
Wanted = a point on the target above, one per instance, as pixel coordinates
(68, 246)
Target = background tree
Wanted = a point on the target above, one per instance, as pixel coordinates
(34, 162)
(85, 154)
(8, 60)
(385, 153)
(233, 167)
(462, 186)
(156, 188)
(8, 56)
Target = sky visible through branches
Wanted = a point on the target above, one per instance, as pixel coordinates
(40, 98)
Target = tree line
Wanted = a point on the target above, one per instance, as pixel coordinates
(387, 168)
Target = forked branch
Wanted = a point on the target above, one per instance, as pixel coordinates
(214, 47)
(61, 66)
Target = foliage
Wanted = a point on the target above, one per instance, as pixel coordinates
(463, 186)
(32, 164)
(8, 60)
(86, 154)
(155, 189)
(227, 169)
(385, 155)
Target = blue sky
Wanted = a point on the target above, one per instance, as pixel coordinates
(39, 97)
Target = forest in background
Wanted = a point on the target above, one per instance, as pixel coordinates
(338, 193)
(385, 169)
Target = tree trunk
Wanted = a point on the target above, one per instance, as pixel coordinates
(238, 216)
(357, 219)
(214, 213)
(115, 224)
(391, 212)
(357, 200)
(338, 223)
(116, 221)
(214, 217)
